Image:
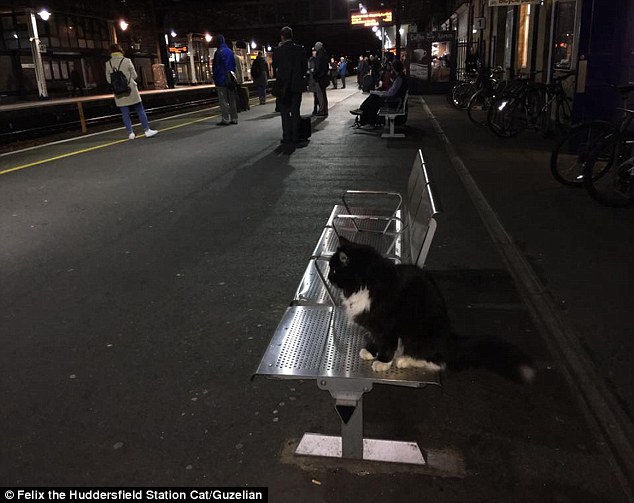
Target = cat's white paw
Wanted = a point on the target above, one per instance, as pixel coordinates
(364, 354)
(403, 362)
(381, 366)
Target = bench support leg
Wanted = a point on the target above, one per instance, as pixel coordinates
(392, 122)
(351, 414)
(351, 444)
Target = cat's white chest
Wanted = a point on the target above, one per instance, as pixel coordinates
(357, 303)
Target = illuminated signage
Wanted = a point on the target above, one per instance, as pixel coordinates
(178, 50)
(370, 19)
(505, 3)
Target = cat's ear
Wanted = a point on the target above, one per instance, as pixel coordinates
(343, 258)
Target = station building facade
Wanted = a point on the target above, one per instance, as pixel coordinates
(593, 39)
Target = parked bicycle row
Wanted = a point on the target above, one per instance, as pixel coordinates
(597, 155)
(508, 107)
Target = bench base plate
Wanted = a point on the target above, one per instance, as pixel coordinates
(387, 451)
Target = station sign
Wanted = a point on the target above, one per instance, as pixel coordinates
(509, 3)
(178, 50)
(370, 19)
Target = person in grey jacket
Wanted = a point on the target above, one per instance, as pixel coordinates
(132, 98)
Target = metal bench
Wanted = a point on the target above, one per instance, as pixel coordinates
(315, 340)
(391, 111)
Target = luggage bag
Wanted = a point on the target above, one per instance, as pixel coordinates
(305, 129)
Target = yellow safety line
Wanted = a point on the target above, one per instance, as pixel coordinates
(96, 147)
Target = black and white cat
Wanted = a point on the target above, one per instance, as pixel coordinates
(407, 320)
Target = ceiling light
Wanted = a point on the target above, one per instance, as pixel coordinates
(208, 37)
(123, 25)
(44, 14)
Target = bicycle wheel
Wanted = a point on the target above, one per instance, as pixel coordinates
(615, 186)
(507, 116)
(462, 93)
(569, 156)
(478, 107)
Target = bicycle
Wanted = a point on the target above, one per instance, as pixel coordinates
(531, 106)
(613, 157)
(572, 152)
(480, 101)
(463, 90)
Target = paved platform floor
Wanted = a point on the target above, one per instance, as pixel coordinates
(142, 280)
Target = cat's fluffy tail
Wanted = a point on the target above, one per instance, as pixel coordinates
(492, 354)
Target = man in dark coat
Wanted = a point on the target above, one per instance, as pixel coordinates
(290, 67)
(322, 75)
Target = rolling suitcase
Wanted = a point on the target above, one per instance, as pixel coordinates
(305, 129)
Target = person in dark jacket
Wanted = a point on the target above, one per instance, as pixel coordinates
(223, 63)
(322, 75)
(260, 76)
(342, 70)
(290, 68)
(367, 113)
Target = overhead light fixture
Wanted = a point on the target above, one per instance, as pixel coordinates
(253, 44)
(268, 48)
(375, 29)
(173, 34)
(123, 25)
(208, 37)
(44, 14)
(362, 9)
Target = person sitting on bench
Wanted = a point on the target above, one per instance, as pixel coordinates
(367, 113)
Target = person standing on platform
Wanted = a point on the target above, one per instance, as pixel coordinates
(130, 98)
(313, 85)
(223, 63)
(290, 67)
(362, 70)
(342, 70)
(322, 76)
(260, 76)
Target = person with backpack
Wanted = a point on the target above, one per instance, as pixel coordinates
(121, 75)
(223, 68)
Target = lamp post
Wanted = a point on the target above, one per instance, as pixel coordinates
(35, 50)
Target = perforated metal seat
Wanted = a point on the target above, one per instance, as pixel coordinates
(315, 340)
(320, 342)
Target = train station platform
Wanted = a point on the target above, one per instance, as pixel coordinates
(142, 281)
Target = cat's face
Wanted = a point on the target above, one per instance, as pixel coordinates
(341, 272)
(348, 266)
